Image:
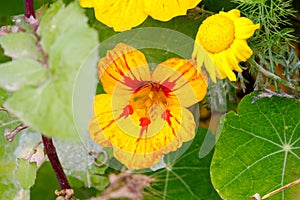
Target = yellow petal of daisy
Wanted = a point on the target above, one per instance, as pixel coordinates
(123, 64)
(182, 78)
(224, 36)
(165, 10)
(86, 3)
(202, 58)
(121, 15)
(232, 14)
(244, 28)
(223, 66)
(241, 50)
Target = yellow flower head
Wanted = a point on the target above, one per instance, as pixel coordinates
(124, 14)
(221, 43)
(143, 114)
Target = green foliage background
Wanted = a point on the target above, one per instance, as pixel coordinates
(245, 160)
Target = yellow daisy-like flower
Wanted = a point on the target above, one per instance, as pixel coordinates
(143, 114)
(221, 43)
(124, 14)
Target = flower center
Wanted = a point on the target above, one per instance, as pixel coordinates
(216, 33)
(149, 100)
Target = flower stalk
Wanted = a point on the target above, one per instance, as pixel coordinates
(29, 8)
(50, 149)
(55, 163)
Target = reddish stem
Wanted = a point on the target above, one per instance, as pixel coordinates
(55, 163)
(29, 8)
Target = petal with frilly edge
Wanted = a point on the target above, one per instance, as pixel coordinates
(124, 66)
(183, 79)
(119, 14)
(143, 153)
(165, 10)
(241, 50)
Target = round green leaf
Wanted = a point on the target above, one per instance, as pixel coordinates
(258, 149)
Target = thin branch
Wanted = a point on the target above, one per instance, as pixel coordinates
(10, 135)
(257, 196)
(273, 76)
(55, 163)
(281, 189)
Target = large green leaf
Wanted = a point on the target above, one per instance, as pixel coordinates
(188, 177)
(258, 149)
(70, 45)
(19, 73)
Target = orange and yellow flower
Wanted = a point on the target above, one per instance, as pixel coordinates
(144, 114)
(123, 15)
(221, 43)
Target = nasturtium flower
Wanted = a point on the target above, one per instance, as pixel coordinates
(221, 43)
(124, 14)
(143, 114)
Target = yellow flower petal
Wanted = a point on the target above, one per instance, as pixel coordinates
(86, 3)
(202, 58)
(232, 14)
(181, 120)
(121, 15)
(244, 28)
(143, 153)
(165, 10)
(137, 160)
(182, 78)
(123, 64)
(96, 133)
(223, 66)
(241, 50)
(103, 118)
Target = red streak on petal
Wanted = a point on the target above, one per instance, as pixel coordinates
(144, 121)
(166, 116)
(128, 110)
(110, 123)
(166, 90)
